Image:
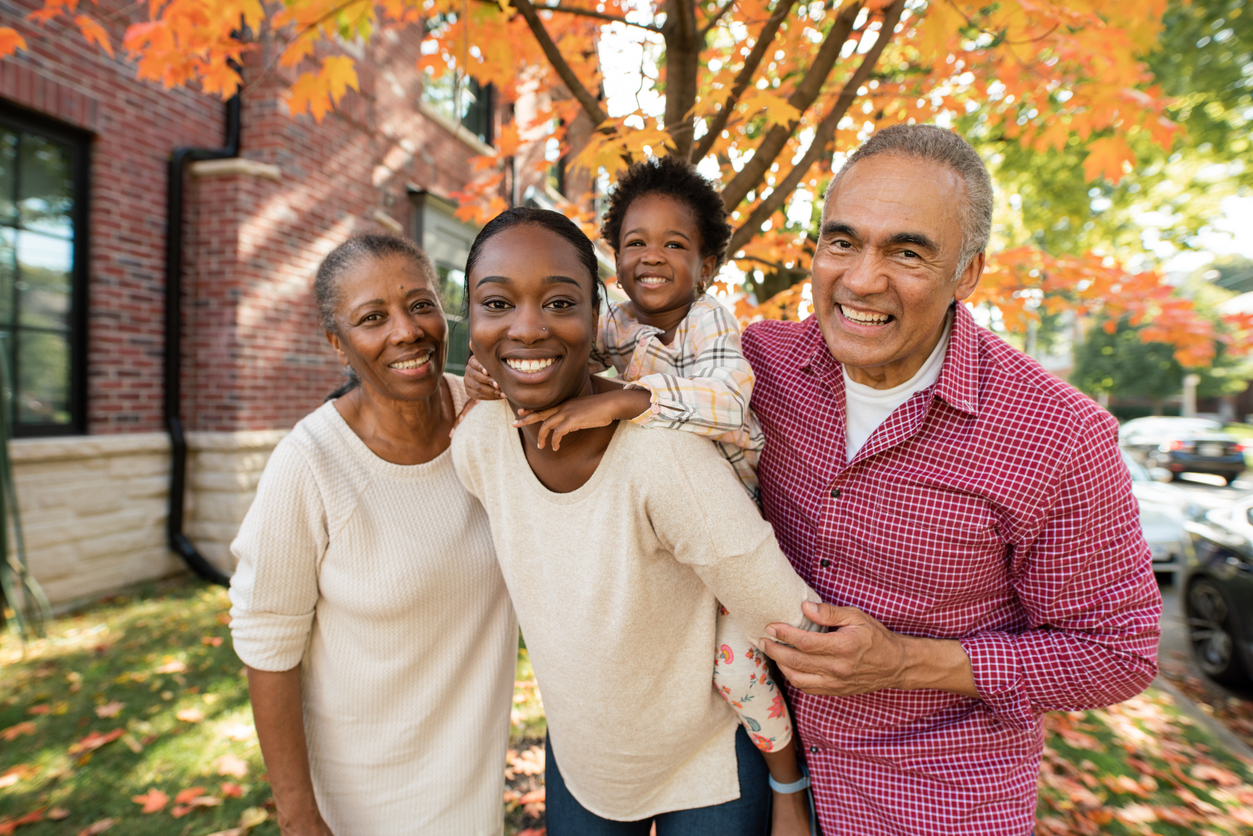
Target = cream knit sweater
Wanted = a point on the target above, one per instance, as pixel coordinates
(380, 581)
(616, 586)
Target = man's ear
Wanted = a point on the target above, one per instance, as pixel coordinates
(969, 278)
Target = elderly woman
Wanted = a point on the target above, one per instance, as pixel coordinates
(616, 548)
(368, 604)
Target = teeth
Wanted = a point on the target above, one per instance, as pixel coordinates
(530, 365)
(868, 318)
(652, 280)
(412, 364)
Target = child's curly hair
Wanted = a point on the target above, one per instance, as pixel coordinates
(678, 179)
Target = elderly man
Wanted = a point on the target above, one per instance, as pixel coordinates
(964, 513)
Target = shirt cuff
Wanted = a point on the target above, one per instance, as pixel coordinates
(998, 676)
(654, 409)
(270, 641)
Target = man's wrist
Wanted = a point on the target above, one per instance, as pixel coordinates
(937, 664)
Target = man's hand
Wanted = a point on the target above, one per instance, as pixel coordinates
(584, 413)
(860, 656)
(479, 384)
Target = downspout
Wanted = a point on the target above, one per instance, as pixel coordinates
(179, 160)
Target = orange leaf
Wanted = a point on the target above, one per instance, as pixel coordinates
(154, 800)
(340, 73)
(232, 790)
(1110, 158)
(233, 766)
(190, 715)
(97, 828)
(10, 41)
(94, 740)
(188, 794)
(13, 732)
(94, 33)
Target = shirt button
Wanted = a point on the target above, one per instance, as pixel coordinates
(835, 493)
(813, 750)
(826, 564)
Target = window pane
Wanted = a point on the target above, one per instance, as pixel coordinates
(46, 196)
(43, 378)
(8, 166)
(8, 274)
(45, 267)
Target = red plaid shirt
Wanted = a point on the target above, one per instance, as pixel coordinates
(992, 507)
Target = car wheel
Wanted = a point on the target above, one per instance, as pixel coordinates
(1210, 630)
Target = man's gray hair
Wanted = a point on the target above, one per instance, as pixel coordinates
(931, 143)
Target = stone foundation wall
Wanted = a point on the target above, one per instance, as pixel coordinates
(94, 511)
(223, 469)
(94, 508)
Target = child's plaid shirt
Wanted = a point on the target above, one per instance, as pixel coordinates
(699, 383)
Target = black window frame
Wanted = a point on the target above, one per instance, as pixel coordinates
(16, 118)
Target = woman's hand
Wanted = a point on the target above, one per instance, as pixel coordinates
(584, 413)
(479, 384)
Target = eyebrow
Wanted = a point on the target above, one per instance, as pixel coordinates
(678, 232)
(555, 279)
(917, 239)
(373, 302)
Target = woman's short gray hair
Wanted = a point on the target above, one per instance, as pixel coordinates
(931, 143)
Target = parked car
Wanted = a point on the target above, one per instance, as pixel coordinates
(1218, 593)
(1183, 445)
(1164, 513)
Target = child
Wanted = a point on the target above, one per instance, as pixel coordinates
(679, 350)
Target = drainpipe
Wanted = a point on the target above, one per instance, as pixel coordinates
(179, 160)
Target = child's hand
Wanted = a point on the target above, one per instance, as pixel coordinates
(479, 384)
(584, 413)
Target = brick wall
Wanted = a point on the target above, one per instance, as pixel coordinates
(135, 125)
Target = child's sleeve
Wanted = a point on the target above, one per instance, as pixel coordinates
(713, 400)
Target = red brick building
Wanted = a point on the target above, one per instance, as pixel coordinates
(84, 153)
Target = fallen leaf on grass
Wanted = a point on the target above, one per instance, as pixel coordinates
(58, 813)
(232, 790)
(172, 666)
(240, 731)
(190, 715)
(231, 765)
(188, 794)
(109, 709)
(13, 732)
(39, 709)
(9, 825)
(97, 828)
(252, 817)
(14, 774)
(530, 762)
(234, 831)
(95, 740)
(132, 744)
(153, 800)
(211, 641)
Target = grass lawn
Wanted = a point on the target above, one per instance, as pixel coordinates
(140, 699)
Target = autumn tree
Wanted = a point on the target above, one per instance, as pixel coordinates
(761, 93)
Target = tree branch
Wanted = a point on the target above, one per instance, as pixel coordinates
(572, 10)
(754, 171)
(743, 78)
(824, 134)
(713, 21)
(589, 102)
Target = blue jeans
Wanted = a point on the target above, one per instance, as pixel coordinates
(748, 815)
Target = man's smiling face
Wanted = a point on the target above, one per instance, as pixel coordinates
(884, 266)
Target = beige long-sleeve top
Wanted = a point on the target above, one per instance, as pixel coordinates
(380, 581)
(616, 586)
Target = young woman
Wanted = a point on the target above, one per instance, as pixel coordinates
(368, 604)
(616, 548)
